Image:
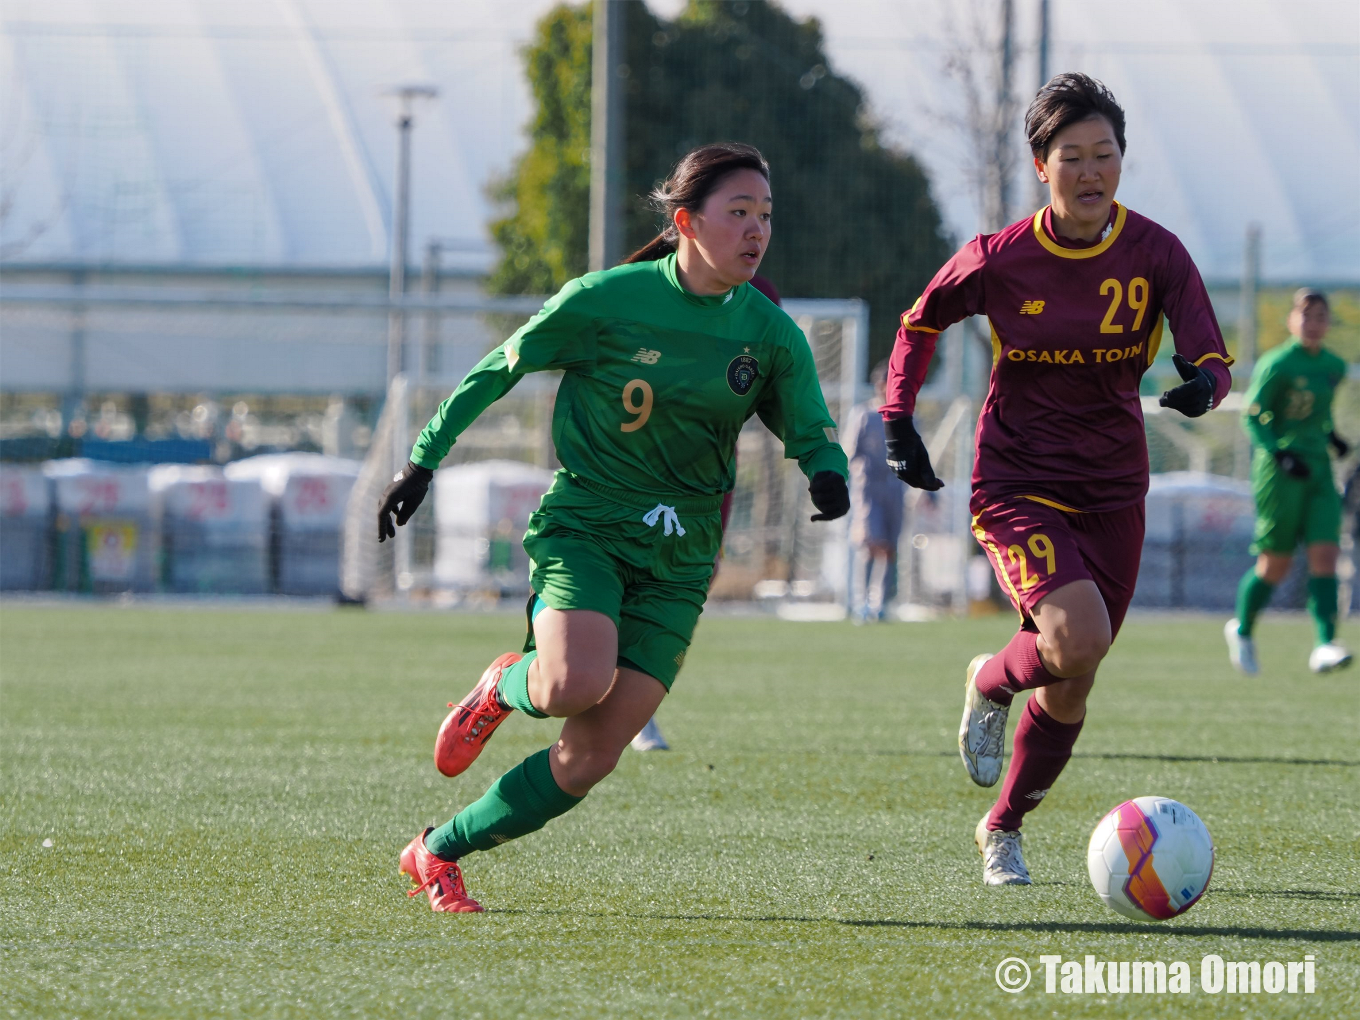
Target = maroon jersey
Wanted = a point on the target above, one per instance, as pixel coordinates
(767, 288)
(1074, 327)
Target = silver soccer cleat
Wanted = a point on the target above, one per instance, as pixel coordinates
(982, 734)
(1241, 650)
(1328, 657)
(649, 738)
(1002, 861)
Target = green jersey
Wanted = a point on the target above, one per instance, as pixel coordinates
(657, 383)
(1289, 403)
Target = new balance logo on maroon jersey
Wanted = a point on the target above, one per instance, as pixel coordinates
(1032, 308)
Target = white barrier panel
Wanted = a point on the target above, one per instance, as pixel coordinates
(309, 493)
(311, 490)
(213, 530)
(25, 506)
(482, 510)
(1188, 502)
(1195, 549)
(104, 534)
(24, 491)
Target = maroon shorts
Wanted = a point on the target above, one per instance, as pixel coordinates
(1036, 547)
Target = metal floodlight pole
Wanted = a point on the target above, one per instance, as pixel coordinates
(1246, 312)
(397, 391)
(1003, 106)
(429, 285)
(406, 96)
(608, 78)
(1043, 43)
(1040, 188)
(1246, 335)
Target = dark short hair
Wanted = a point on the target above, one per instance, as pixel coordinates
(1070, 98)
(1305, 296)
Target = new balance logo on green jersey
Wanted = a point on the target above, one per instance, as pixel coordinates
(646, 357)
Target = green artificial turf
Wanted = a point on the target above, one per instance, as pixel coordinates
(227, 793)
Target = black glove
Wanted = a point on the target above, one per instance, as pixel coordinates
(402, 497)
(1292, 464)
(830, 495)
(907, 455)
(1194, 396)
(1338, 444)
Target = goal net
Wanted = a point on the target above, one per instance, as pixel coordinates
(771, 549)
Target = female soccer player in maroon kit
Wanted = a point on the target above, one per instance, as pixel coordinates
(1076, 297)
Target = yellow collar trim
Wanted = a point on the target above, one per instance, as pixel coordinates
(1121, 214)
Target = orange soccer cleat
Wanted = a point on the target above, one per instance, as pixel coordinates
(442, 879)
(468, 727)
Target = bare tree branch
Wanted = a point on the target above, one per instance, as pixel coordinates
(978, 57)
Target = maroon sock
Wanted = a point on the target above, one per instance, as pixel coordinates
(1039, 750)
(1017, 667)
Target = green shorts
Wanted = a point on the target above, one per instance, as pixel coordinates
(643, 561)
(1293, 510)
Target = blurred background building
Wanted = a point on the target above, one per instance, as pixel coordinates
(202, 256)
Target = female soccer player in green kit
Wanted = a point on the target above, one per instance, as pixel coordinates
(1289, 419)
(664, 360)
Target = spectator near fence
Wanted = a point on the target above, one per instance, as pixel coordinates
(875, 506)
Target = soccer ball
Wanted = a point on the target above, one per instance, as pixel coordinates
(1150, 858)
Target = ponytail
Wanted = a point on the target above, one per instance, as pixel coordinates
(694, 178)
(659, 247)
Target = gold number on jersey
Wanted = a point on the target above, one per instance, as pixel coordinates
(1299, 405)
(1042, 547)
(1016, 555)
(643, 410)
(1108, 325)
(1138, 299)
(1139, 291)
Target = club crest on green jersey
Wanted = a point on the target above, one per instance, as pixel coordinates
(742, 372)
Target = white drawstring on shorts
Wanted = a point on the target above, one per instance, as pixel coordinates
(664, 513)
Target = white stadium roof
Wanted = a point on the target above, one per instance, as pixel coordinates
(254, 132)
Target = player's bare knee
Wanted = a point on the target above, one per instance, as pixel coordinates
(586, 766)
(563, 689)
(1073, 655)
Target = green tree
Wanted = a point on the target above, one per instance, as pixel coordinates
(853, 218)
(542, 240)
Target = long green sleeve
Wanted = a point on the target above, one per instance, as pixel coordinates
(490, 379)
(794, 410)
(1261, 398)
(559, 336)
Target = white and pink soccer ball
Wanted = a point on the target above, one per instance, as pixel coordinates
(1150, 858)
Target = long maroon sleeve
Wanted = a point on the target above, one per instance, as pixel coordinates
(954, 294)
(1191, 317)
(907, 369)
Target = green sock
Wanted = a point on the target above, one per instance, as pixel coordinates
(1252, 596)
(1322, 605)
(518, 803)
(513, 689)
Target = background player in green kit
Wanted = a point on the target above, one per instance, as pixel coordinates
(1289, 419)
(664, 360)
